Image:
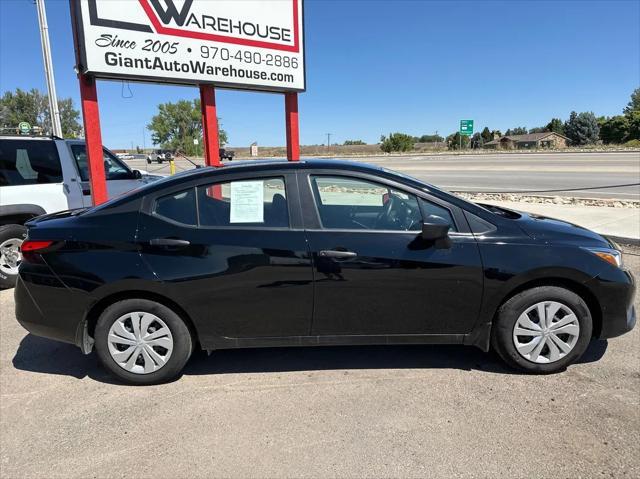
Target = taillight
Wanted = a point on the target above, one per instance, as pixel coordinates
(34, 246)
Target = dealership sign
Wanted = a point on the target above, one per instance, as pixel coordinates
(249, 44)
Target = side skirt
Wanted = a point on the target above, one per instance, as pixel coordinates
(338, 340)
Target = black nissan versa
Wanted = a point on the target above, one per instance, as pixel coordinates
(314, 253)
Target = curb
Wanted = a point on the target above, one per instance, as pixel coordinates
(624, 241)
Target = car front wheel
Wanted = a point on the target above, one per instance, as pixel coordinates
(542, 330)
(142, 342)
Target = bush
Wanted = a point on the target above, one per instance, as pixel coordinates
(354, 142)
(632, 144)
(396, 142)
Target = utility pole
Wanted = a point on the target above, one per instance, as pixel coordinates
(144, 144)
(54, 112)
(328, 140)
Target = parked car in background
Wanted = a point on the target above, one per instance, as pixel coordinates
(226, 154)
(40, 175)
(159, 156)
(314, 253)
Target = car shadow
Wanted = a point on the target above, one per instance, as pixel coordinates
(51, 357)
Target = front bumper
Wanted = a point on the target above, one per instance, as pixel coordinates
(616, 304)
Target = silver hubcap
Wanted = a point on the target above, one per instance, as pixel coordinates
(140, 342)
(10, 256)
(546, 332)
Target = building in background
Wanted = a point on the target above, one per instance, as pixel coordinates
(547, 139)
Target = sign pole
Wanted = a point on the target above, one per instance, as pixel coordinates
(93, 138)
(210, 125)
(54, 112)
(293, 129)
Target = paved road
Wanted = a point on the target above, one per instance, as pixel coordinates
(511, 172)
(415, 411)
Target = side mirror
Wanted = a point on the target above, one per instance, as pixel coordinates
(435, 228)
(137, 175)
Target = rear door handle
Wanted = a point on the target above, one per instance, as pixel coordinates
(169, 242)
(332, 253)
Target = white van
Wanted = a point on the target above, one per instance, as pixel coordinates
(40, 175)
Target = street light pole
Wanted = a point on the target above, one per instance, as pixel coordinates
(328, 140)
(56, 127)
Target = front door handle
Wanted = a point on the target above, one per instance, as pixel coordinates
(168, 242)
(332, 253)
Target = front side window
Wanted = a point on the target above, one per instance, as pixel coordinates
(114, 169)
(431, 210)
(256, 202)
(29, 162)
(353, 203)
(179, 207)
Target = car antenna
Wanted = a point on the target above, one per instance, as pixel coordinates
(179, 153)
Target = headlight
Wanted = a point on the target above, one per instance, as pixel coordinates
(611, 256)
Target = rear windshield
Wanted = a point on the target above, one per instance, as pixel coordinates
(29, 162)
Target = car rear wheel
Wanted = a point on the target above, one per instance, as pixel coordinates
(11, 238)
(542, 330)
(142, 342)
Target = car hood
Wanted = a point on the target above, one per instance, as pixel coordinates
(552, 230)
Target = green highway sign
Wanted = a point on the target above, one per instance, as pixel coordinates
(24, 127)
(466, 127)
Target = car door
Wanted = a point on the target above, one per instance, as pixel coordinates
(120, 178)
(235, 253)
(373, 273)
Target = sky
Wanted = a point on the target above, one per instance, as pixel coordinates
(375, 67)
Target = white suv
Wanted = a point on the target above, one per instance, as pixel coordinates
(40, 175)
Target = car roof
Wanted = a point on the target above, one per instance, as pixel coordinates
(251, 166)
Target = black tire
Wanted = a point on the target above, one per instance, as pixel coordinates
(10, 232)
(182, 341)
(502, 340)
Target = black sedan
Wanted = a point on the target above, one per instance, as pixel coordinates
(314, 253)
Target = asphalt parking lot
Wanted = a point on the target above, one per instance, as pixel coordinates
(419, 411)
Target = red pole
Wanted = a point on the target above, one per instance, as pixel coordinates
(210, 125)
(293, 130)
(93, 138)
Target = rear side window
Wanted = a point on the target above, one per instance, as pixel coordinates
(179, 207)
(29, 162)
(257, 202)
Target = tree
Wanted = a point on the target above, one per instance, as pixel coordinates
(634, 104)
(177, 124)
(486, 135)
(354, 142)
(582, 128)
(477, 141)
(455, 140)
(519, 130)
(538, 129)
(429, 139)
(614, 129)
(556, 126)
(496, 134)
(396, 142)
(633, 119)
(33, 107)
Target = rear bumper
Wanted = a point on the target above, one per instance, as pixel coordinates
(61, 320)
